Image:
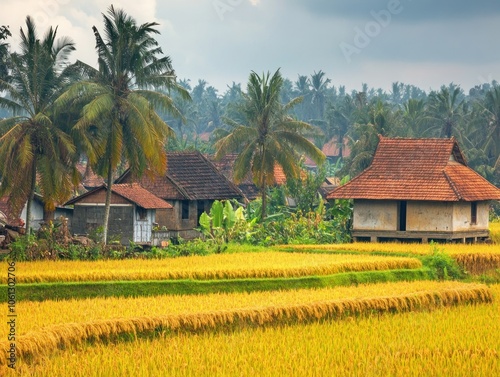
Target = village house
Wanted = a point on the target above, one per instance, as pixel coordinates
(190, 185)
(16, 217)
(132, 212)
(419, 189)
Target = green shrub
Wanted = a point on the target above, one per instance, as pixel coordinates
(443, 265)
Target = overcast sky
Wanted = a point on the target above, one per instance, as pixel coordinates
(426, 43)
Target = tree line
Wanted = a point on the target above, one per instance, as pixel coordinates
(358, 116)
(116, 114)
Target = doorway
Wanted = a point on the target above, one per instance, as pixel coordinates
(402, 215)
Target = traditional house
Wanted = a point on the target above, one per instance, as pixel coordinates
(419, 189)
(191, 184)
(17, 217)
(132, 212)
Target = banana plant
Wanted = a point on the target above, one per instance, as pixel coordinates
(224, 223)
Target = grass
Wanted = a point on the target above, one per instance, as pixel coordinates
(81, 290)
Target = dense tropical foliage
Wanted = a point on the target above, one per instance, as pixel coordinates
(131, 109)
(34, 149)
(118, 120)
(265, 135)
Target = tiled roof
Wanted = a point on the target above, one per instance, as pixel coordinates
(189, 176)
(140, 196)
(418, 169)
(331, 148)
(133, 192)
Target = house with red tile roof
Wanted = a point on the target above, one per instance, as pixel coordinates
(190, 185)
(132, 213)
(419, 189)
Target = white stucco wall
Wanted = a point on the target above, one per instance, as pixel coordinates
(429, 216)
(375, 215)
(36, 214)
(420, 216)
(462, 216)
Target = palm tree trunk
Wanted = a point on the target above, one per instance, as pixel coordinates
(31, 196)
(264, 198)
(107, 205)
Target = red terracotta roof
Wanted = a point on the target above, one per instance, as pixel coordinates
(140, 196)
(133, 192)
(418, 169)
(331, 148)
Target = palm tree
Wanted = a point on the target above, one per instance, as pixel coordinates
(414, 117)
(492, 109)
(319, 86)
(268, 137)
(118, 118)
(446, 108)
(32, 144)
(4, 50)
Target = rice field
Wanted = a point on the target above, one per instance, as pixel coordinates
(420, 328)
(217, 266)
(401, 248)
(495, 232)
(34, 316)
(474, 259)
(453, 341)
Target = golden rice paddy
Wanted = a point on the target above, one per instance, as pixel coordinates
(495, 232)
(216, 266)
(475, 259)
(401, 248)
(453, 341)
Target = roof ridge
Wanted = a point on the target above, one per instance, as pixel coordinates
(219, 173)
(452, 185)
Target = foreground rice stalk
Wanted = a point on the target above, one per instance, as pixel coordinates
(39, 342)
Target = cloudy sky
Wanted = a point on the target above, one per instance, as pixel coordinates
(426, 43)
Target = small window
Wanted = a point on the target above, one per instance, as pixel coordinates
(185, 209)
(473, 213)
(142, 213)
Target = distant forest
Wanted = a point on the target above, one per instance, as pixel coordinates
(358, 117)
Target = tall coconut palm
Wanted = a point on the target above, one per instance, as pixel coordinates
(269, 136)
(492, 108)
(4, 50)
(446, 109)
(319, 86)
(118, 119)
(414, 117)
(32, 144)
